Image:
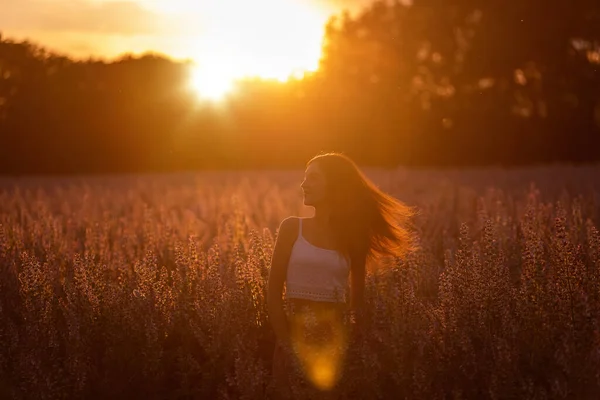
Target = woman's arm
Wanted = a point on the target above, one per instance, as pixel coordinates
(357, 287)
(277, 275)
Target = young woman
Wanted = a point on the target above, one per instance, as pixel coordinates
(318, 258)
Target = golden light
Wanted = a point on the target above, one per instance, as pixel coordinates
(322, 357)
(211, 84)
(233, 39)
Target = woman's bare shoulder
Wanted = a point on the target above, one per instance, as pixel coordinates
(291, 222)
(288, 227)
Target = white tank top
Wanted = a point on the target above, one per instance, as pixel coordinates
(315, 273)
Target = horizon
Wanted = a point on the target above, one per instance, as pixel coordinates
(220, 36)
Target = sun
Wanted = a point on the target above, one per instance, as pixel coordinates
(273, 40)
(211, 84)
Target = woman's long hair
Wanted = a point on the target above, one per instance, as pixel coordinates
(367, 222)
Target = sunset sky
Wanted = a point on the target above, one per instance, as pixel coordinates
(269, 38)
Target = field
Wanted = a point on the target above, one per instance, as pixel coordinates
(154, 287)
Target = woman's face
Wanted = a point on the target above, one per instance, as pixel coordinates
(314, 186)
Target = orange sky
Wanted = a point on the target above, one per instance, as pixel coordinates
(270, 38)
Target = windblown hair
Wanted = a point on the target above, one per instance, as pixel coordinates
(367, 222)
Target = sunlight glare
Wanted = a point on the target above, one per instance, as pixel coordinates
(268, 39)
(211, 84)
(321, 360)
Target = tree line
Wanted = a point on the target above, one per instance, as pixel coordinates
(433, 83)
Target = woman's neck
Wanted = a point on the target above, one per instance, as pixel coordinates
(322, 216)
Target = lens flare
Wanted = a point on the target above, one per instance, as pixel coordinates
(320, 340)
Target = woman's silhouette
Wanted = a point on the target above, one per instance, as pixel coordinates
(318, 258)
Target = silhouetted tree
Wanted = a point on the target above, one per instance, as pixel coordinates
(451, 82)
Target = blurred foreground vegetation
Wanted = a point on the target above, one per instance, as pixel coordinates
(154, 287)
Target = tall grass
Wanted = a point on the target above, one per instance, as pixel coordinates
(154, 287)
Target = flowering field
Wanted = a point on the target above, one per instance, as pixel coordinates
(154, 287)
